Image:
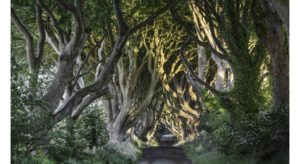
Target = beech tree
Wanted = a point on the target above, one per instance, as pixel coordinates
(198, 68)
(69, 46)
(225, 27)
(273, 28)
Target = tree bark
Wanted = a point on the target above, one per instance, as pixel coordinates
(277, 45)
(282, 8)
(275, 39)
(202, 59)
(224, 82)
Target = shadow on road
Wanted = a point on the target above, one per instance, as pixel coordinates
(166, 153)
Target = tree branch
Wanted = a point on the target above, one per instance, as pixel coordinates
(76, 14)
(65, 110)
(29, 41)
(85, 60)
(54, 23)
(51, 39)
(123, 28)
(201, 43)
(85, 103)
(42, 36)
(190, 69)
(107, 71)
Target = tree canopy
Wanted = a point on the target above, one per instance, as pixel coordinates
(112, 71)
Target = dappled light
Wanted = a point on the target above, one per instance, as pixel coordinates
(166, 82)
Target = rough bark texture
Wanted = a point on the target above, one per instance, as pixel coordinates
(69, 50)
(277, 44)
(282, 8)
(132, 102)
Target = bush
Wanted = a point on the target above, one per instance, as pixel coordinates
(27, 111)
(262, 134)
(73, 139)
(235, 134)
(262, 138)
(69, 140)
(104, 155)
(39, 158)
(215, 156)
(108, 155)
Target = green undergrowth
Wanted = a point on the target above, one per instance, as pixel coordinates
(195, 152)
(215, 157)
(102, 156)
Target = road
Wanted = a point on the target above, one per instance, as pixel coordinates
(164, 154)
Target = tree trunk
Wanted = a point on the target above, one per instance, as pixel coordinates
(63, 75)
(277, 44)
(224, 82)
(282, 8)
(280, 71)
(202, 59)
(246, 93)
(220, 79)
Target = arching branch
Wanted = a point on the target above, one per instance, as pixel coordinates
(107, 71)
(190, 69)
(191, 34)
(55, 24)
(85, 103)
(81, 103)
(76, 12)
(86, 59)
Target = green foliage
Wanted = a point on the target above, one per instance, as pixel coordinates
(70, 139)
(241, 125)
(40, 158)
(27, 110)
(215, 156)
(70, 142)
(108, 155)
(93, 123)
(259, 139)
(262, 135)
(105, 155)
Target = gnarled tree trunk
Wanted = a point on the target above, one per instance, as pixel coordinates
(276, 40)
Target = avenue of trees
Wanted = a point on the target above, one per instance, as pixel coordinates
(109, 77)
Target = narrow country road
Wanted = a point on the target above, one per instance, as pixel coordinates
(164, 154)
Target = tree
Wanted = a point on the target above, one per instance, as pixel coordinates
(69, 40)
(180, 67)
(275, 37)
(227, 32)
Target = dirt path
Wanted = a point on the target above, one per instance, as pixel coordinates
(164, 155)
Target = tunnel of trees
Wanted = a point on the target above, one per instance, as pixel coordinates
(96, 81)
